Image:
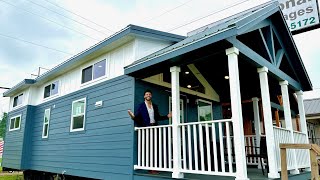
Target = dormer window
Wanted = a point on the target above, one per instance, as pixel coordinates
(17, 100)
(51, 89)
(94, 71)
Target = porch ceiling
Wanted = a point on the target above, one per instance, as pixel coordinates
(211, 43)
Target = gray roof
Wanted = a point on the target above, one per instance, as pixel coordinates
(132, 30)
(312, 106)
(207, 31)
(230, 27)
(20, 86)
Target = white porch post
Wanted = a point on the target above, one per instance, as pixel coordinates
(302, 114)
(264, 87)
(236, 109)
(256, 116)
(303, 121)
(175, 93)
(288, 120)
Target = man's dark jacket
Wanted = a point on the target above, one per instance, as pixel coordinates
(142, 116)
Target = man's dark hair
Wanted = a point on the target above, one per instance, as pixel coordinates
(148, 90)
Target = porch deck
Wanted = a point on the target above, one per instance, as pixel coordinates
(253, 174)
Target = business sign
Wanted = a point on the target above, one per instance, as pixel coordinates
(300, 14)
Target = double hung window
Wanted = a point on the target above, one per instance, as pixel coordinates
(78, 115)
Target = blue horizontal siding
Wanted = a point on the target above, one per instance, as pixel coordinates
(103, 150)
(13, 146)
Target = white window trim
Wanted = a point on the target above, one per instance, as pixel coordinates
(14, 117)
(84, 115)
(20, 105)
(93, 80)
(46, 123)
(210, 109)
(52, 96)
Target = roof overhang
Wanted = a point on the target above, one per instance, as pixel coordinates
(19, 87)
(124, 36)
(238, 25)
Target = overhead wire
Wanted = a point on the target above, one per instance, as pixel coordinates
(215, 12)
(35, 44)
(79, 16)
(66, 17)
(155, 17)
(49, 20)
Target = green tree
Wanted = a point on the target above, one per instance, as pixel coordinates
(3, 125)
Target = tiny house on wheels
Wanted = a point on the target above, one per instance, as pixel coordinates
(222, 83)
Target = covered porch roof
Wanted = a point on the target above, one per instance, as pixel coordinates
(260, 34)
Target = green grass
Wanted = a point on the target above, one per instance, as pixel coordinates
(11, 177)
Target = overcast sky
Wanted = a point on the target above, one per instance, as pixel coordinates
(44, 33)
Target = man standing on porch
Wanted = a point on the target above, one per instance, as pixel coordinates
(148, 112)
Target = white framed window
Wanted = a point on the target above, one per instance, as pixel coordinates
(94, 71)
(78, 115)
(15, 123)
(46, 121)
(17, 101)
(204, 110)
(182, 120)
(51, 89)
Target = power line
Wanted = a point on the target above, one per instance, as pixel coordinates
(67, 17)
(35, 44)
(80, 16)
(167, 11)
(4, 88)
(197, 19)
(48, 20)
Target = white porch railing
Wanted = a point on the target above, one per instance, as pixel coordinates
(301, 154)
(282, 135)
(154, 148)
(204, 150)
(249, 140)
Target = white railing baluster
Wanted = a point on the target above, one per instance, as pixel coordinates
(195, 146)
(151, 148)
(208, 147)
(189, 148)
(160, 147)
(139, 147)
(223, 168)
(214, 145)
(143, 147)
(147, 148)
(229, 147)
(170, 147)
(184, 158)
(165, 150)
(201, 147)
(155, 148)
